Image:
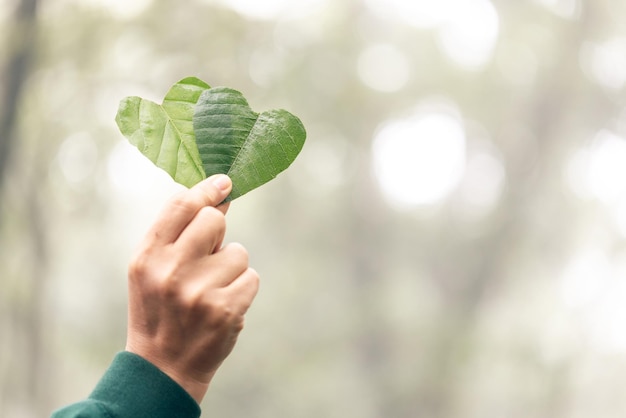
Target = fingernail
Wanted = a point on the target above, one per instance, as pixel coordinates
(222, 181)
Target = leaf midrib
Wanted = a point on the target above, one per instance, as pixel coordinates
(171, 120)
(245, 142)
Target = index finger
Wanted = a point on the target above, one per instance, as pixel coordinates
(183, 207)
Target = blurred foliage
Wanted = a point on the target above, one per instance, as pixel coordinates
(367, 308)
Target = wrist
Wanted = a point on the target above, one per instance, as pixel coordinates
(196, 388)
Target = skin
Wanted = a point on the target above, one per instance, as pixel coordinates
(188, 294)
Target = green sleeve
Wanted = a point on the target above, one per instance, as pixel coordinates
(133, 388)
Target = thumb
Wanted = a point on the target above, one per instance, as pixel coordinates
(213, 190)
(183, 208)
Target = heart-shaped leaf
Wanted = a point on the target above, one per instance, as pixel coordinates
(164, 133)
(199, 131)
(251, 148)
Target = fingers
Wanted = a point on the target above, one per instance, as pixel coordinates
(203, 235)
(230, 277)
(243, 289)
(225, 265)
(180, 210)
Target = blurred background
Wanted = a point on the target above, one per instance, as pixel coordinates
(451, 242)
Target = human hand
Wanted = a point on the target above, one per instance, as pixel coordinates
(188, 294)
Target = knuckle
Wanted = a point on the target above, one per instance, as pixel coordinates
(168, 288)
(181, 200)
(139, 265)
(187, 201)
(238, 253)
(237, 326)
(255, 279)
(195, 302)
(213, 215)
(155, 275)
(223, 315)
(212, 221)
(223, 310)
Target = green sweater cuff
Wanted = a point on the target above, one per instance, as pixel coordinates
(134, 387)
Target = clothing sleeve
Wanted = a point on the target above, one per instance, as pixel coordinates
(133, 388)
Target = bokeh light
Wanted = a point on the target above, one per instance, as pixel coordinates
(598, 170)
(469, 34)
(466, 30)
(593, 286)
(120, 9)
(77, 157)
(419, 159)
(482, 184)
(130, 173)
(568, 9)
(423, 14)
(272, 9)
(383, 67)
(605, 62)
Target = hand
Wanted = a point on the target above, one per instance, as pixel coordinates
(188, 294)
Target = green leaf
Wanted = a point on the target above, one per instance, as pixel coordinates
(199, 131)
(164, 133)
(251, 148)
